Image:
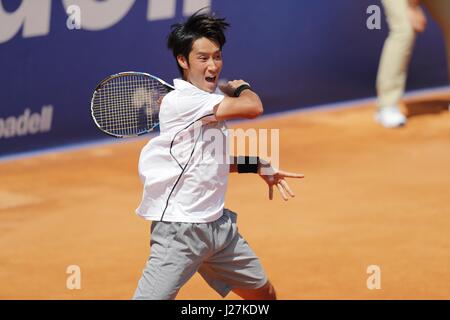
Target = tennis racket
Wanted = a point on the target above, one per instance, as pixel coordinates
(127, 104)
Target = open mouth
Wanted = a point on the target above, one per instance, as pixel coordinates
(210, 79)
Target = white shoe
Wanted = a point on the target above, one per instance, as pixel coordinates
(390, 117)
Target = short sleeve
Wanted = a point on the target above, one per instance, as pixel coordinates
(197, 104)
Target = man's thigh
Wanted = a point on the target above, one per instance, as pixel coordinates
(171, 264)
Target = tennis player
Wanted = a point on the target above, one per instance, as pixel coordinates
(185, 183)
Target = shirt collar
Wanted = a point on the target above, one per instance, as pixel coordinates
(180, 84)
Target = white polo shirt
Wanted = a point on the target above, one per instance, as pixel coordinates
(184, 170)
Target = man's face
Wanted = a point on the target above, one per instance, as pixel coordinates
(205, 64)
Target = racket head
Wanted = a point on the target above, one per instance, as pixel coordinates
(127, 104)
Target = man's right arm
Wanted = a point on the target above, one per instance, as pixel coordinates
(248, 105)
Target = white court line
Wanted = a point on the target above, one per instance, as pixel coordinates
(316, 108)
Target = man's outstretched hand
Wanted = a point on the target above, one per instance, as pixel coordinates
(275, 177)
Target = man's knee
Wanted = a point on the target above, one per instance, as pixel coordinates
(266, 292)
(270, 291)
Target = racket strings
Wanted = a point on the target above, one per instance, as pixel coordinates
(128, 105)
(123, 113)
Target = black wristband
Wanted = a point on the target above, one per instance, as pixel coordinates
(241, 88)
(247, 164)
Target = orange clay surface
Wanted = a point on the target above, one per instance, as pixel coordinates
(371, 196)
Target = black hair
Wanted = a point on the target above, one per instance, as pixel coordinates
(183, 35)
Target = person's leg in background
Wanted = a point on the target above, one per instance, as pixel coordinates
(394, 62)
(440, 12)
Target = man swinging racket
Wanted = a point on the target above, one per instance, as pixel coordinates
(184, 193)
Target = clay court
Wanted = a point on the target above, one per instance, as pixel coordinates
(371, 196)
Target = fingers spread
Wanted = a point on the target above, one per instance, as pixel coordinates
(291, 174)
(283, 194)
(286, 187)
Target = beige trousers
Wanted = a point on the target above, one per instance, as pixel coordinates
(396, 54)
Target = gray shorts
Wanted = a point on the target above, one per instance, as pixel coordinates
(216, 250)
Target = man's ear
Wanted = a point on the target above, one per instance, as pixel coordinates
(182, 61)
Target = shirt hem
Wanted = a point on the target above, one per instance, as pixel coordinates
(182, 219)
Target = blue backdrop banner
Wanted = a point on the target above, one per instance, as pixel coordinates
(295, 53)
